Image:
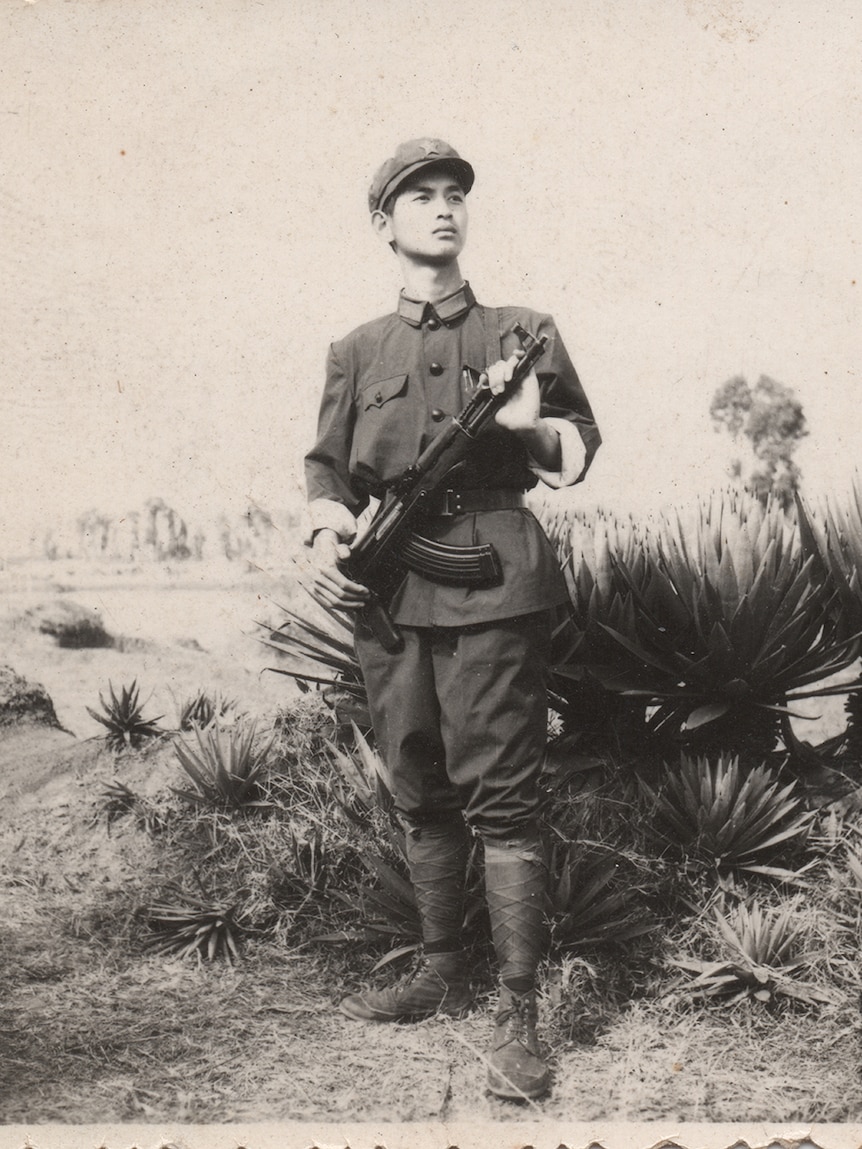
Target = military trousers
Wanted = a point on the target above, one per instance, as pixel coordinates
(460, 717)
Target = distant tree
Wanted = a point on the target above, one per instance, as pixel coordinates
(94, 531)
(166, 534)
(766, 422)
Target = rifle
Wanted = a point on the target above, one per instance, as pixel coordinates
(389, 545)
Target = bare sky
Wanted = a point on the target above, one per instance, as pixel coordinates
(184, 225)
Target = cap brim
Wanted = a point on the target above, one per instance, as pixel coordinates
(464, 172)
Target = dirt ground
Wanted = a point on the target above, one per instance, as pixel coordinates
(92, 1031)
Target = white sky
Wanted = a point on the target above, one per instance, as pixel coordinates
(184, 225)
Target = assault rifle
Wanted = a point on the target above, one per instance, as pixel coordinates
(389, 546)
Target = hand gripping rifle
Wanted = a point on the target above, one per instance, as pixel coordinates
(379, 559)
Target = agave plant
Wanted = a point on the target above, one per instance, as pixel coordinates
(116, 799)
(588, 904)
(364, 773)
(714, 812)
(202, 709)
(717, 634)
(389, 906)
(587, 548)
(761, 957)
(834, 539)
(123, 717)
(302, 874)
(845, 884)
(202, 927)
(225, 766)
(316, 647)
(387, 910)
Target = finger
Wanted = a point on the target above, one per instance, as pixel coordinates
(347, 586)
(332, 595)
(331, 575)
(339, 602)
(511, 363)
(497, 377)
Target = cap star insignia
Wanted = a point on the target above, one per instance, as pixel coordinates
(430, 148)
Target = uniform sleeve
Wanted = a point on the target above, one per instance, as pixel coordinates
(332, 502)
(566, 408)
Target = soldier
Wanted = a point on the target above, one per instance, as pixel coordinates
(460, 712)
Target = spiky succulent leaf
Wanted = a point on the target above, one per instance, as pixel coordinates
(762, 957)
(709, 621)
(122, 716)
(718, 813)
(589, 906)
(389, 908)
(833, 536)
(203, 708)
(364, 772)
(316, 645)
(226, 766)
(301, 873)
(191, 926)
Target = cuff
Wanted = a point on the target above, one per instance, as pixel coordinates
(327, 514)
(574, 456)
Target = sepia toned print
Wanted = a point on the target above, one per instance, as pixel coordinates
(198, 858)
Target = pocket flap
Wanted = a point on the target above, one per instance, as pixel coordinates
(377, 393)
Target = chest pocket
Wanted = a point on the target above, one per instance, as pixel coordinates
(387, 429)
(377, 393)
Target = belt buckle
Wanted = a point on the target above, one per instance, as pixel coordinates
(451, 503)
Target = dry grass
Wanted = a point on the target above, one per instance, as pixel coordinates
(98, 1031)
(661, 1060)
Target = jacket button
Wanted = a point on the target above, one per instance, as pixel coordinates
(437, 415)
(433, 324)
(436, 369)
(378, 398)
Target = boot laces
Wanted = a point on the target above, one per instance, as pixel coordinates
(425, 973)
(513, 1022)
(427, 977)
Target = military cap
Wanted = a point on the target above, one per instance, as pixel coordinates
(412, 157)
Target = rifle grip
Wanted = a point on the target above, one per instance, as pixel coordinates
(379, 621)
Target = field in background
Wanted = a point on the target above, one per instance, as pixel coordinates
(177, 630)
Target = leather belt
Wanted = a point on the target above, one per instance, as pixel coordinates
(451, 502)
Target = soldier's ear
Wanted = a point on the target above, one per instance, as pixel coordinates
(380, 224)
(380, 221)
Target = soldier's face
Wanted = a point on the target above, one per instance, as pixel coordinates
(429, 219)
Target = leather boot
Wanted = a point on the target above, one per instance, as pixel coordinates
(517, 1068)
(437, 858)
(442, 986)
(515, 886)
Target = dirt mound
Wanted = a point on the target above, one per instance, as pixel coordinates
(32, 741)
(72, 625)
(24, 702)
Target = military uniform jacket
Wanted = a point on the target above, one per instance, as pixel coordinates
(390, 387)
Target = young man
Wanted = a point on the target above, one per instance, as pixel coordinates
(460, 712)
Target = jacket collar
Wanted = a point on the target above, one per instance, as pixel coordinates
(447, 310)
